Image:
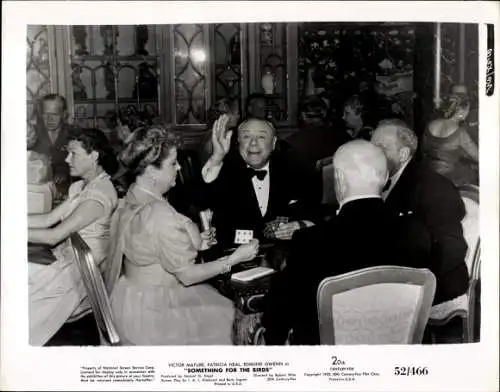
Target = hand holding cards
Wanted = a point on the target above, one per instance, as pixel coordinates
(272, 226)
(245, 252)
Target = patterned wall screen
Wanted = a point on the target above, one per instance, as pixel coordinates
(227, 61)
(190, 74)
(37, 66)
(114, 68)
(336, 60)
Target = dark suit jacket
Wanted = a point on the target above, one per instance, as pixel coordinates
(57, 153)
(233, 199)
(428, 210)
(317, 142)
(358, 237)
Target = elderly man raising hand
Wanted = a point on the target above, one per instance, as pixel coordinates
(358, 237)
(252, 186)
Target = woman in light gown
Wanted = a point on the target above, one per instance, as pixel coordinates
(448, 148)
(160, 297)
(56, 291)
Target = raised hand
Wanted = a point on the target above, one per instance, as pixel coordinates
(221, 137)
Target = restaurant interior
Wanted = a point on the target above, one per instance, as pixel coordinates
(181, 76)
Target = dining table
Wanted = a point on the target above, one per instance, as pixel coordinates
(248, 297)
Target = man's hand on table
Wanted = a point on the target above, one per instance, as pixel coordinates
(285, 230)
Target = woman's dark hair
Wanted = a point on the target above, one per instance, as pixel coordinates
(253, 97)
(368, 105)
(146, 146)
(313, 107)
(93, 139)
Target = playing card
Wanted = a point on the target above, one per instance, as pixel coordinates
(243, 236)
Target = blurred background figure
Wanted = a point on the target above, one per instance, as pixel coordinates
(359, 116)
(317, 138)
(447, 146)
(256, 106)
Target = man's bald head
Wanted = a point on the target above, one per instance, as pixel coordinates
(360, 169)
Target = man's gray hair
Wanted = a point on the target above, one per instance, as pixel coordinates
(406, 136)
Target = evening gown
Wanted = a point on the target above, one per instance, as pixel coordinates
(150, 305)
(56, 291)
(454, 156)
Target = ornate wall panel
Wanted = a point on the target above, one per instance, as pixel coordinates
(190, 73)
(38, 82)
(227, 61)
(113, 68)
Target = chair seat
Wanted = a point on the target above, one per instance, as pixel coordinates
(448, 309)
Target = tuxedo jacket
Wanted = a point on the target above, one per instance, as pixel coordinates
(232, 197)
(360, 236)
(428, 210)
(57, 153)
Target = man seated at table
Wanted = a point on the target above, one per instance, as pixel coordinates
(427, 208)
(358, 237)
(253, 185)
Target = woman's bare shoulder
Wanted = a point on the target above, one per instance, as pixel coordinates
(441, 128)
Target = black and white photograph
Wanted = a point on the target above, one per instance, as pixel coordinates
(151, 220)
(254, 183)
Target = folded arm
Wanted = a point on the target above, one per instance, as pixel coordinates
(86, 213)
(43, 221)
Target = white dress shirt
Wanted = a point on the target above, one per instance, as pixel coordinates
(261, 189)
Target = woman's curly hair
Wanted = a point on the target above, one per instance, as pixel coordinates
(146, 146)
(454, 103)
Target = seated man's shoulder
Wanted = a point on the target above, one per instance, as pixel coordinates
(432, 182)
(435, 192)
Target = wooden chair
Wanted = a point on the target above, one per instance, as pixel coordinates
(329, 200)
(96, 291)
(325, 167)
(377, 305)
(465, 305)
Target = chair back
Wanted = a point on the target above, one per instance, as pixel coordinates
(96, 290)
(470, 227)
(325, 167)
(376, 305)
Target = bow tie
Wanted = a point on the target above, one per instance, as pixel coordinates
(260, 174)
(387, 185)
